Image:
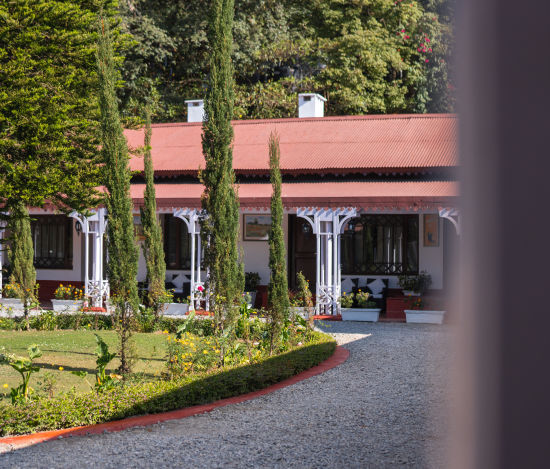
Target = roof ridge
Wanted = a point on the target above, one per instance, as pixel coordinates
(317, 119)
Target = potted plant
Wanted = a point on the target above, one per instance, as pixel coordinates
(68, 299)
(251, 280)
(174, 307)
(421, 312)
(11, 298)
(357, 307)
(415, 285)
(301, 300)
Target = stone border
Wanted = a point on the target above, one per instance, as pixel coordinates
(15, 442)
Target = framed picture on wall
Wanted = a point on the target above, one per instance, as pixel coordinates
(256, 227)
(431, 230)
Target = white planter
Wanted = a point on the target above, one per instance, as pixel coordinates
(410, 293)
(11, 306)
(175, 309)
(421, 316)
(67, 306)
(301, 311)
(360, 314)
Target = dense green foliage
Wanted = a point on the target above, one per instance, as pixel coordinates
(121, 242)
(220, 229)
(160, 396)
(278, 286)
(87, 321)
(21, 255)
(48, 105)
(367, 56)
(153, 250)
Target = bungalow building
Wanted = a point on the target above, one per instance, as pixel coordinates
(366, 198)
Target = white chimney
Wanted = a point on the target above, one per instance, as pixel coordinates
(311, 105)
(195, 110)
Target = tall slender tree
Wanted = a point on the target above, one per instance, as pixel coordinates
(278, 286)
(121, 242)
(220, 199)
(21, 256)
(153, 250)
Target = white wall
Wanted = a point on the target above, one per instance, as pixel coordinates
(256, 253)
(431, 258)
(256, 259)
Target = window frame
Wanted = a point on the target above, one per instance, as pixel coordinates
(41, 262)
(402, 268)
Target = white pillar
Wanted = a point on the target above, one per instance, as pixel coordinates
(93, 228)
(191, 218)
(327, 225)
(336, 275)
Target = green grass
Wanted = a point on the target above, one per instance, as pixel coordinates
(75, 350)
(147, 397)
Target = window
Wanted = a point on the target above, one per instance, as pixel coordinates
(380, 244)
(53, 241)
(176, 244)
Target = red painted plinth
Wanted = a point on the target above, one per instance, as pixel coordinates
(395, 307)
(328, 317)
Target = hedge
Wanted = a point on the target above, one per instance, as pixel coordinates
(99, 321)
(127, 400)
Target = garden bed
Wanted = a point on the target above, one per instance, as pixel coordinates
(69, 410)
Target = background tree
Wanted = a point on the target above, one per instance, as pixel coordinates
(48, 103)
(153, 250)
(368, 56)
(121, 242)
(220, 229)
(278, 287)
(21, 257)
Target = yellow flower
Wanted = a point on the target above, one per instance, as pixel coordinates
(6, 386)
(205, 352)
(165, 331)
(60, 368)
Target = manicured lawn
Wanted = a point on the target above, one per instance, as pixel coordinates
(75, 350)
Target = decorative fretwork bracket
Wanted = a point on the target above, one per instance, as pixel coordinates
(453, 215)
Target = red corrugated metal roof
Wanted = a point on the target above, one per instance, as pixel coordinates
(323, 194)
(314, 144)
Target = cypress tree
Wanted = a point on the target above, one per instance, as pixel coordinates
(21, 256)
(278, 287)
(153, 250)
(220, 229)
(121, 242)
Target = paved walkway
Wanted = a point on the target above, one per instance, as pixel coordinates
(385, 407)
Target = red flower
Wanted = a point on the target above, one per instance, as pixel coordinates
(200, 288)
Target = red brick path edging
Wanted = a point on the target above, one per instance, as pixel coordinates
(15, 442)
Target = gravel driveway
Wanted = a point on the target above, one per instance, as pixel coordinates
(385, 407)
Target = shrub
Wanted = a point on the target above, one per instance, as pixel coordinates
(68, 292)
(346, 301)
(69, 410)
(362, 298)
(12, 290)
(302, 297)
(251, 280)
